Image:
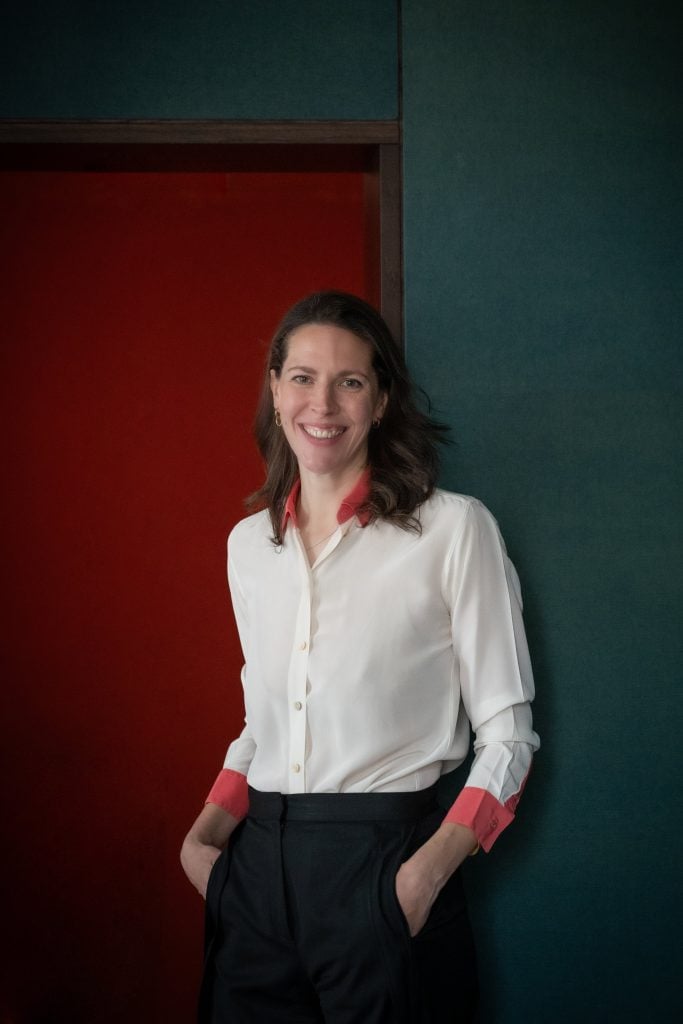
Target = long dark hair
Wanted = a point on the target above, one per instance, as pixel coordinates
(403, 451)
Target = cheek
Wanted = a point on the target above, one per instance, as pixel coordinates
(288, 405)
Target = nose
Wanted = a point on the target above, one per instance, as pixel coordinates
(324, 398)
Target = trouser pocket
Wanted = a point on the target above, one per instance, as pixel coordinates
(214, 887)
(214, 891)
(395, 843)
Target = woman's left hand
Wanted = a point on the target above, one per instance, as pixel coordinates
(420, 879)
(415, 895)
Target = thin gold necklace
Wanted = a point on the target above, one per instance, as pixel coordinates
(311, 547)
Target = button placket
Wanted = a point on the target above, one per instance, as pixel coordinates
(332, 543)
(297, 679)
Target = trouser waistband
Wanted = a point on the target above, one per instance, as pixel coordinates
(342, 806)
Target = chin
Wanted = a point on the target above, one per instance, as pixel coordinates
(321, 466)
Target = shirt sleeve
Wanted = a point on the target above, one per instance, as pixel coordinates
(230, 792)
(496, 681)
(230, 789)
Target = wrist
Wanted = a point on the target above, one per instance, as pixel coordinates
(213, 827)
(445, 851)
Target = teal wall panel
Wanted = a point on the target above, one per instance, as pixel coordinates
(542, 262)
(234, 59)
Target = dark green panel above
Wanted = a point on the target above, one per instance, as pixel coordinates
(232, 59)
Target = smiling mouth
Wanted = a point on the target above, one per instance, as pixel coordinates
(322, 434)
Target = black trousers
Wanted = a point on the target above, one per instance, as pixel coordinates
(303, 924)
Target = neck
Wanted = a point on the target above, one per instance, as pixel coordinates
(321, 496)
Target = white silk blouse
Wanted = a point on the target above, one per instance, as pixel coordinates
(364, 671)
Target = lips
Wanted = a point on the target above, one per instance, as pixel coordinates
(323, 433)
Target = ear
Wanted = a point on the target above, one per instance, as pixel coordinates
(381, 405)
(275, 387)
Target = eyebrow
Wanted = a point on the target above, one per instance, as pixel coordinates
(342, 373)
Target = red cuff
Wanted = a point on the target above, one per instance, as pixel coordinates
(230, 792)
(479, 810)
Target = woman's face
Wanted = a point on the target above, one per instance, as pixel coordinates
(327, 396)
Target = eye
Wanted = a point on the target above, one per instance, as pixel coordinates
(351, 384)
(301, 378)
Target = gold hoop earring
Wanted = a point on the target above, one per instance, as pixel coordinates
(278, 419)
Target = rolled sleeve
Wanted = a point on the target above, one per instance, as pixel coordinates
(496, 781)
(230, 791)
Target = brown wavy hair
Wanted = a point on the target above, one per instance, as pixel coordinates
(402, 452)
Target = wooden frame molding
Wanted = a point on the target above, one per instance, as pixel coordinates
(169, 145)
(132, 132)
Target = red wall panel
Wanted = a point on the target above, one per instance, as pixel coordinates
(136, 311)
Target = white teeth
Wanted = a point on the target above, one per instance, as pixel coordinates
(323, 435)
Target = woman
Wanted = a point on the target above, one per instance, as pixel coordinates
(378, 617)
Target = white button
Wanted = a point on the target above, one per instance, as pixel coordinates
(298, 705)
(296, 767)
(303, 645)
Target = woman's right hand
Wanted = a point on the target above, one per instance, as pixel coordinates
(197, 860)
(203, 844)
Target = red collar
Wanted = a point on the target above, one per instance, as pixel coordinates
(348, 508)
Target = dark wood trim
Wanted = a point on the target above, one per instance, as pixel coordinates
(390, 238)
(133, 132)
